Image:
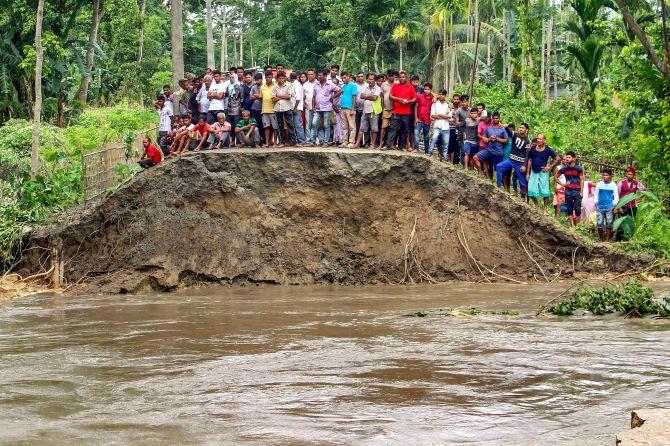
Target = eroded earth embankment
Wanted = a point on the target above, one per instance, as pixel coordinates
(311, 216)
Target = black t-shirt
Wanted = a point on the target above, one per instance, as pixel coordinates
(520, 146)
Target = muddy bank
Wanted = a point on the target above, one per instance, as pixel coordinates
(312, 216)
(649, 427)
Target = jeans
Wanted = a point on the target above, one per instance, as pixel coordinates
(425, 128)
(258, 116)
(325, 133)
(445, 142)
(605, 218)
(299, 130)
(399, 123)
(506, 166)
(288, 117)
(309, 117)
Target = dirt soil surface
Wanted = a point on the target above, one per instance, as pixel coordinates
(305, 216)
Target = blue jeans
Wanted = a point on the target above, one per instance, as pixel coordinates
(309, 117)
(299, 130)
(425, 128)
(324, 135)
(507, 165)
(445, 142)
(605, 218)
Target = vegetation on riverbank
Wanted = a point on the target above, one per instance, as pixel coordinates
(632, 299)
(58, 186)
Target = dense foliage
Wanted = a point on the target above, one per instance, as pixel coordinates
(631, 300)
(24, 203)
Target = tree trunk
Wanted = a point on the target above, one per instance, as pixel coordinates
(400, 46)
(82, 94)
(542, 54)
(453, 69)
(644, 41)
(488, 49)
(140, 39)
(251, 51)
(241, 50)
(474, 62)
(550, 36)
(37, 109)
(508, 47)
(224, 41)
(177, 37)
(555, 72)
(445, 64)
(211, 63)
(344, 53)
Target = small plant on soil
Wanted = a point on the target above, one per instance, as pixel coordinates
(631, 300)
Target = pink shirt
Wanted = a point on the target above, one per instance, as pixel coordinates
(481, 129)
(323, 95)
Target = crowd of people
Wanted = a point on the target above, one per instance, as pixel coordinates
(276, 107)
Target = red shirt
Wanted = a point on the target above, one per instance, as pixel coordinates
(403, 91)
(153, 154)
(423, 105)
(202, 129)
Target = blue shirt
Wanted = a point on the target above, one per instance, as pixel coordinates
(349, 92)
(539, 158)
(496, 147)
(606, 195)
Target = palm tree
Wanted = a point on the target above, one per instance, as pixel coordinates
(589, 57)
(402, 18)
(442, 19)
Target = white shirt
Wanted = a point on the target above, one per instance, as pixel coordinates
(308, 87)
(299, 95)
(217, 104)
(202, 98)
(164, 119)
(374, 90)
(441, 108)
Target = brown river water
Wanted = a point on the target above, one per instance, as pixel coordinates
(323, 365)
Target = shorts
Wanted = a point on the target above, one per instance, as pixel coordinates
(573, 204)
(605, 218)
(368, 122)
(386, 118)
(559, 197)
(270, 120)
(538, 185)
(471, 148)
(486, 154)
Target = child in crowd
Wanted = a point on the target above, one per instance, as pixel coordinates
(606, 196)
(571, 177)
(559, 192)
(150, 156)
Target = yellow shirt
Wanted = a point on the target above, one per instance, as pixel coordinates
(266, 92)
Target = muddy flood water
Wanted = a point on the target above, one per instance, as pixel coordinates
(323, 365)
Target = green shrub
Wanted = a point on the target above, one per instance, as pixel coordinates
(631, 300)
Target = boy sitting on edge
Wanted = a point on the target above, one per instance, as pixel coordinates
(606, 196)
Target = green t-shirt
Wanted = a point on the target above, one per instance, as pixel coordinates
(241, 123)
